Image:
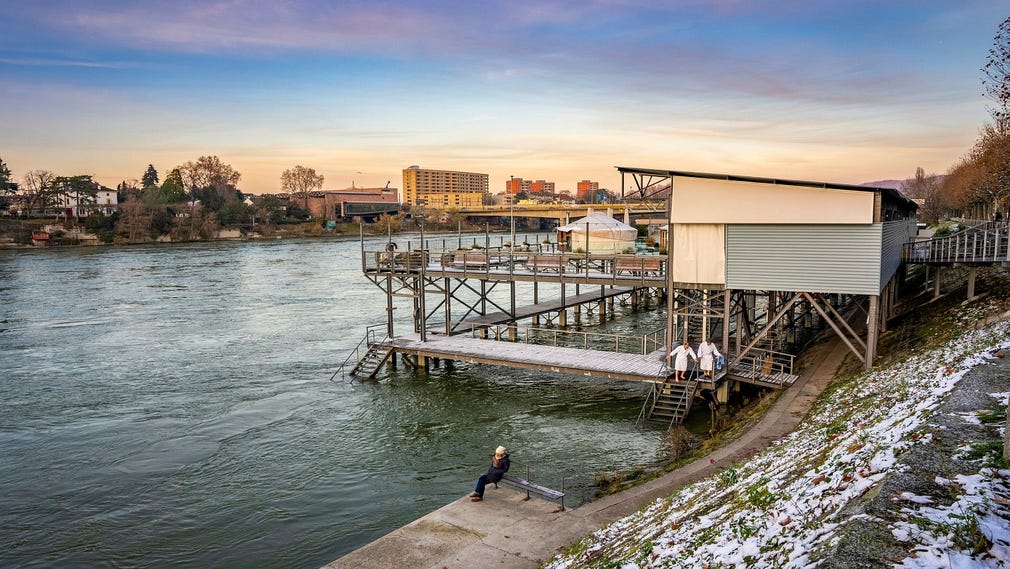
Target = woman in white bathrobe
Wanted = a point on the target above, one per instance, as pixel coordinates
(707, 352)
(680, 355)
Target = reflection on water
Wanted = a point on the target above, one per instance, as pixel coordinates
(170, 405)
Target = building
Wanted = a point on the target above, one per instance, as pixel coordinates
(361, 202)
(800, 243)
(77, 203)
(585, 190)
(542, 187)
(443, 189)
(519, 185)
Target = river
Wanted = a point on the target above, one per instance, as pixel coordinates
(172, 405)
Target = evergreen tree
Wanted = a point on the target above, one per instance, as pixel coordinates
(173, 190)
(150, 177)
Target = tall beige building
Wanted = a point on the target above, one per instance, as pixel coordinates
(443, 188)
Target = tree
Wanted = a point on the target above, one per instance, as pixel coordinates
(37, 189)
(134, 221)
(6, 186)
(270, 209)
(79, 192)
(386, 223)
(300, 181)
(996, 77)
(173, 190)
(209, 173)
(150, 177)
(927, 189)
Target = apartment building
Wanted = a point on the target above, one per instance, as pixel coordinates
(443, 189)
(519, 185)
(586, 189)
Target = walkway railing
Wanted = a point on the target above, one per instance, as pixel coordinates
(986, 243)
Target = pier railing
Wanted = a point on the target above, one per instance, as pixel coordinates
(622, 343)
(526, 260)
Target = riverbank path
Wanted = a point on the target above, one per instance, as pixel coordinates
(509, 532)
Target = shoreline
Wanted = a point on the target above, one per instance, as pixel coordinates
(509, 532)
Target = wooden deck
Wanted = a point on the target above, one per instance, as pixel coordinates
(616, 270)
(575, 361)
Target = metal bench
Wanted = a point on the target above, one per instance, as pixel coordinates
(638, 265)
(546, 263)
(544, 491)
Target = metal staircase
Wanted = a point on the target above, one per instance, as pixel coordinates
(370, 364)
(368, 355)
(671, 401)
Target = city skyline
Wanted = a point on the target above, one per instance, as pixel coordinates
(847, 92)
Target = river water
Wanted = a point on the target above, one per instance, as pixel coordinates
(172, 405)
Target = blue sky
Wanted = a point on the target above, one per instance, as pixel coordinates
(840, 91)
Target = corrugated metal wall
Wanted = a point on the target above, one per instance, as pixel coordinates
(895, 235)
(811, 258)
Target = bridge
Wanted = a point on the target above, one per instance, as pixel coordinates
(655, 213)
(981, 244)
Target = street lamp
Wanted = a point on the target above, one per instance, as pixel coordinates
(512, 215)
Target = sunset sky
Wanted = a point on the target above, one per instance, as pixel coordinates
(843, 91)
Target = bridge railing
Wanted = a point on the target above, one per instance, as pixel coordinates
(985, 243)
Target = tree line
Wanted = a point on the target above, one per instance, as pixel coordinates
(978, 184)
(194, 201)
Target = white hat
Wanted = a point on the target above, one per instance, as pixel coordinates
(499, 450)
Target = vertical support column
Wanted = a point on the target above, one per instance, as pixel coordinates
(448, 308)
(726, 301)
(389, 300)
(536, 300)
(872, 317)
(704, 315)
(512, 299)
(512, 331)
(936, 283)
(972, 271)
(722, 392)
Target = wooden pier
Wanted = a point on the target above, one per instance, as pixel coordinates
(576, 361)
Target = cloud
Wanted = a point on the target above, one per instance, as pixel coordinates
(41, 62)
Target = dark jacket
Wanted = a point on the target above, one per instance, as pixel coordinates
(495, 474)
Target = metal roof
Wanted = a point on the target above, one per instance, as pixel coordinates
(891, 193)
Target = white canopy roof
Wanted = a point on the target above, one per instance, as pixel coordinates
(606, 234)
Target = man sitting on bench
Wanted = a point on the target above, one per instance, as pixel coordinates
(499, 466)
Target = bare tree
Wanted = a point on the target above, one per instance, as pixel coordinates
(926, 188)
(996, 77)
(209, 174)
(300, 181)
(134, 220)
(37, 189)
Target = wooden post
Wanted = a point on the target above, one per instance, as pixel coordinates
(871, 330)
(936, 283)
(972, 271)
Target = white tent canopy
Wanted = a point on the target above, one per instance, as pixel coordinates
(605, 234)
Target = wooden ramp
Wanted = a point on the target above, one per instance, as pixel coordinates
(575, 361)
(544, 307)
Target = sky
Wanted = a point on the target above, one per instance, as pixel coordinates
(846, 91)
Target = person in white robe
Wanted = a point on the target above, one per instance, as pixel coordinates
(707, 352)
(680, 355)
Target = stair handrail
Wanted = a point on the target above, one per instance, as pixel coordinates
(663, 373)
(367, 340)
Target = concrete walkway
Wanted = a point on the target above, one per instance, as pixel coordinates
(508, 532)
